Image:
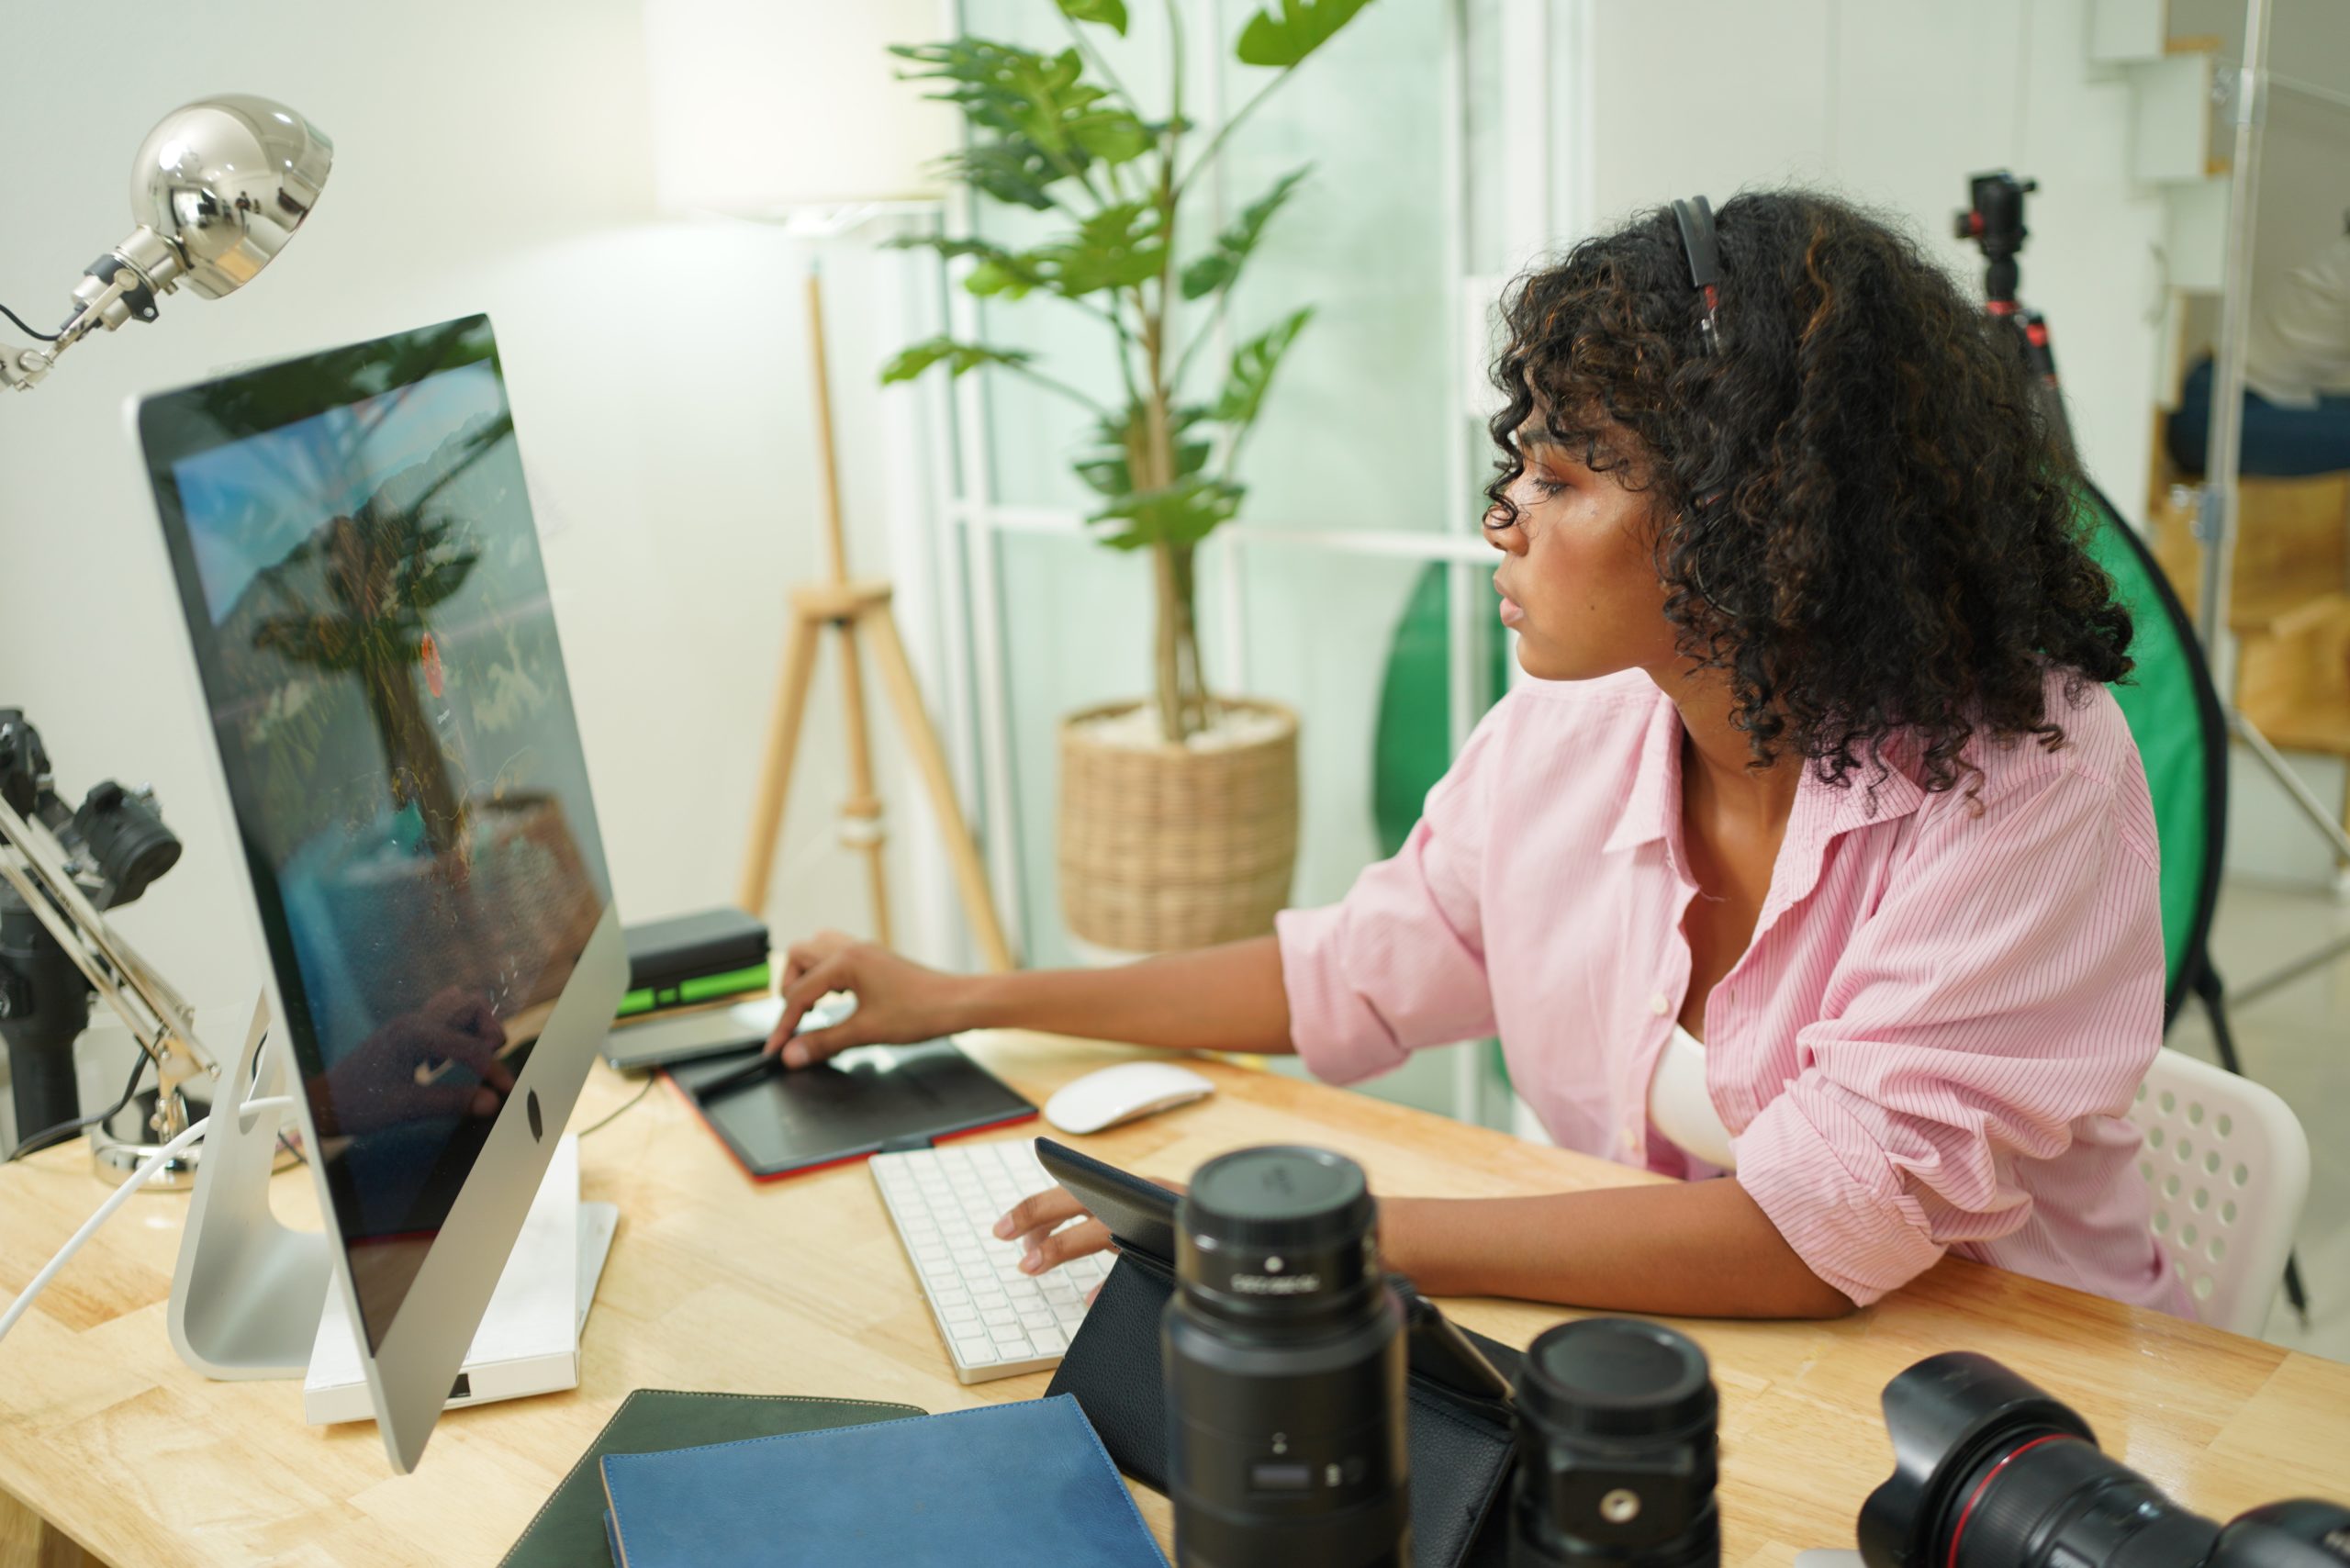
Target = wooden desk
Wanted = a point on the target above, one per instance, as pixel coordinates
(799, 1287)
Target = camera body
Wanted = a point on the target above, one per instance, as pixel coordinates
(115, 843)
(116, 846)
(1285, 1356)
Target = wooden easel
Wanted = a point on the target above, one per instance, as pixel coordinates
(856, 609)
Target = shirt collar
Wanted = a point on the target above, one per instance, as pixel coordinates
(1822, 811)
(1654, 798)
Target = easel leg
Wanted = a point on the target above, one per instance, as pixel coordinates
(861, 814)
(970, 876)
(775, 776)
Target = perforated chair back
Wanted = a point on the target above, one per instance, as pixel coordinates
(2229, 1167)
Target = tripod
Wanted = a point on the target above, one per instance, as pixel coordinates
(1995, 220)
(859, 613)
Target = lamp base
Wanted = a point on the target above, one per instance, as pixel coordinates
(126, 1141)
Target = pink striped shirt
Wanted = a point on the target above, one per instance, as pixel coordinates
(1930, 1044)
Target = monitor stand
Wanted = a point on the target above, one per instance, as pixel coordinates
(247, 1291)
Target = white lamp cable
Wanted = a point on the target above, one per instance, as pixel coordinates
(115, 1200)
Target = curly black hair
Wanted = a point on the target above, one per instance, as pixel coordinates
(1863, 510)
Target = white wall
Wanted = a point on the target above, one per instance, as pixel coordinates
(487, 157)
(1897, 103)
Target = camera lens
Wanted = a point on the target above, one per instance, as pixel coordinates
(1284, 1355)
(128, 840)
(1615, 1449)
(1991, 1471)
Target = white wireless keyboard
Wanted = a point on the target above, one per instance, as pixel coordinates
(995, 1320)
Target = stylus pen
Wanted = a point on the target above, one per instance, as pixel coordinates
(742, 1077)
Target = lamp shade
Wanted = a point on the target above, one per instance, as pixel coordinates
(760, 106)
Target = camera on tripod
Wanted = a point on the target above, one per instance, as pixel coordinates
(114, 847)
(1993, 218)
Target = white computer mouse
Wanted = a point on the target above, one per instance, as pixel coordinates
(1121, 1094)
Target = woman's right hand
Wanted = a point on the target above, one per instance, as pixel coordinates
(1041, 1224)
(898, 1001)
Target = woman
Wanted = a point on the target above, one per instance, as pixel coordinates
(1815, 848)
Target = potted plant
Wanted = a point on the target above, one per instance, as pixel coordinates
(1178, 812)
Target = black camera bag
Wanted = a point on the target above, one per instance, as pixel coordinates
(1458, 1439)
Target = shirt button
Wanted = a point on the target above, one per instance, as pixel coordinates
(1631, 1141)
(1657, 1004)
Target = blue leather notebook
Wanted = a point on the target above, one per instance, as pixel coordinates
(1000, 1486)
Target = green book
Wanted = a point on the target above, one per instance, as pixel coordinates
(569, 1531)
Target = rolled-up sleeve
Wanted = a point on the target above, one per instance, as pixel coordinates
(1399, 962)
(2010, 984)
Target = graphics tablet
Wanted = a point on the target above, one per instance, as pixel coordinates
(859, 1103)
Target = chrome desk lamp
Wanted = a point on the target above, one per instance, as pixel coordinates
(217, 188)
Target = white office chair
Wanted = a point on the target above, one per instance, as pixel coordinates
(2229, 1167)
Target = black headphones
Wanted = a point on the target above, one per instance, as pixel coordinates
(1696, 217)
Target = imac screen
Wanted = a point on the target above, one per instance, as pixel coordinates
(359, 570)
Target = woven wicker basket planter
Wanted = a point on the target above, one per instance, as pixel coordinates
(1164, 848)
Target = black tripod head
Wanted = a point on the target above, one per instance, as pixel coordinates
(1994, 219)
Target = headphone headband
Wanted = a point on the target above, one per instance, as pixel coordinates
(1696, 217)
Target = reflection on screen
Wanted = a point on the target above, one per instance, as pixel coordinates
(379, 656)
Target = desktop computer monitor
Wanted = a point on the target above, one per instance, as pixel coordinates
(355, 554)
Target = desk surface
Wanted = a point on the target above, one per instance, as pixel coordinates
(799, 1287)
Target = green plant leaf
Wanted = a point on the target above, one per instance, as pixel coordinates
(1253, 363)
(1183, 513)
(1222, 265)
(1109, 473)
(1113, 135)
(957, 357)
(1035, 105)
(999, 272)
(1106, 471)
(1301, 27)
(1013, 170)
(1118, 247)
(1111, 14)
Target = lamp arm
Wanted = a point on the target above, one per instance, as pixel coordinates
(22, 369)
(120, 287)
(159, 1018)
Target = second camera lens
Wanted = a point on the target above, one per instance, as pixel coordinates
(1615, 1449)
